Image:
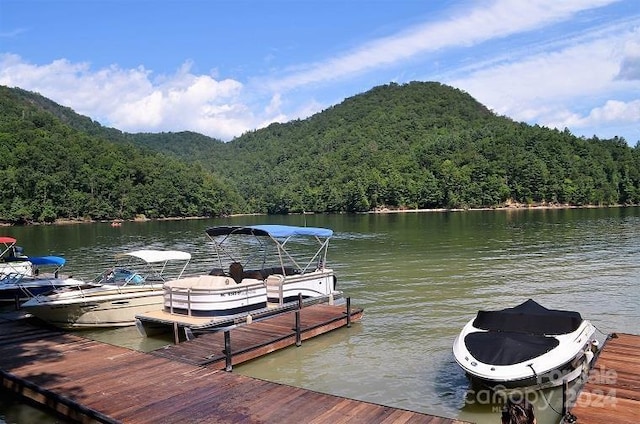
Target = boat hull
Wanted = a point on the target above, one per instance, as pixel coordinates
(283, 289)
(558, 365)
(96, 308)
(16, 267)
(215, 296)
(209, 295)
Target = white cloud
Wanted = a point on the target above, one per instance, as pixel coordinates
(612, 112)
(630, 67)
(500, 19)
(559, 89)
(146, 112)
(555, 84)
(130, 101)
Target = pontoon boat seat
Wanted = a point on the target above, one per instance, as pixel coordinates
(217, 271)
(235, 270)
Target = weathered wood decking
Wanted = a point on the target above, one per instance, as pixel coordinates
(90, 381)
(259, 338)
(612, 392)
(160, 320)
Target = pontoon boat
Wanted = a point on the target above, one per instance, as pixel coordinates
(255, 265)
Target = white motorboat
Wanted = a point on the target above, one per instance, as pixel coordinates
(17, 287)
(525, 346)
(255, 266)
(118, 294)
(12, 261)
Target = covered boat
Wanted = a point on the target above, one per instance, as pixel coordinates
(117, 295)
(15, 286)
(524, 346)
(255, 265)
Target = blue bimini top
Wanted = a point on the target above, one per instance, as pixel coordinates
(47, 260)
(275, 231)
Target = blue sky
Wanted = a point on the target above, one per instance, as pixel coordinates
(225, 67)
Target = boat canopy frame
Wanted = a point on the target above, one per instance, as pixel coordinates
(15, 276)
(149, 257)
(8, 243)
(280, 235)
(57, 262)
(20, 280)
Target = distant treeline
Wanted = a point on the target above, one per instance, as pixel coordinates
(418, 145)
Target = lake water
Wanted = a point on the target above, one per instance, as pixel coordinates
(420, 278)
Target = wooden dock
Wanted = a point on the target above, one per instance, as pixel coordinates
(183, 326)
(90, 381)
(612, 392)
(259, 338)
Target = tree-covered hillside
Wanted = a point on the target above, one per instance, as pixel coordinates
(49, 171)
(416, 145)
(421, 145)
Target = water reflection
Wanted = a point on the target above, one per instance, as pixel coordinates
(127, 337)
(14, 411)
(420, 278)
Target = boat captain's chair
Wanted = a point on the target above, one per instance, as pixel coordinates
(235, 271)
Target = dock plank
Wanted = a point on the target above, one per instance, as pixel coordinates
(89, 381)
(259, 338)
(612, 391)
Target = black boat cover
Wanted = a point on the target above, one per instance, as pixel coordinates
(507, 348)
(529, 318)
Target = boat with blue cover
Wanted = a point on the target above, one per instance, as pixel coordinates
(43, 276)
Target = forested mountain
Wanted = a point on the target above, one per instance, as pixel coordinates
(50, 170)
(421, 145)
(416, 145)
(187, 145)
(359, 155)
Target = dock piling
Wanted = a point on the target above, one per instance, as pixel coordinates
(565, 389)
(176, 336)
(228, 366)
(298, 332)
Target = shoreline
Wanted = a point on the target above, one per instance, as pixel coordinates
(510, 207)
(378, 211)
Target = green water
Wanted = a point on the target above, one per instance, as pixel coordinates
(420, 278)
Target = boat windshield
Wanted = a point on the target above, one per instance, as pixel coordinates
(121, 276)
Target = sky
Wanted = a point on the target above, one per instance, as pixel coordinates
(226, 67)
